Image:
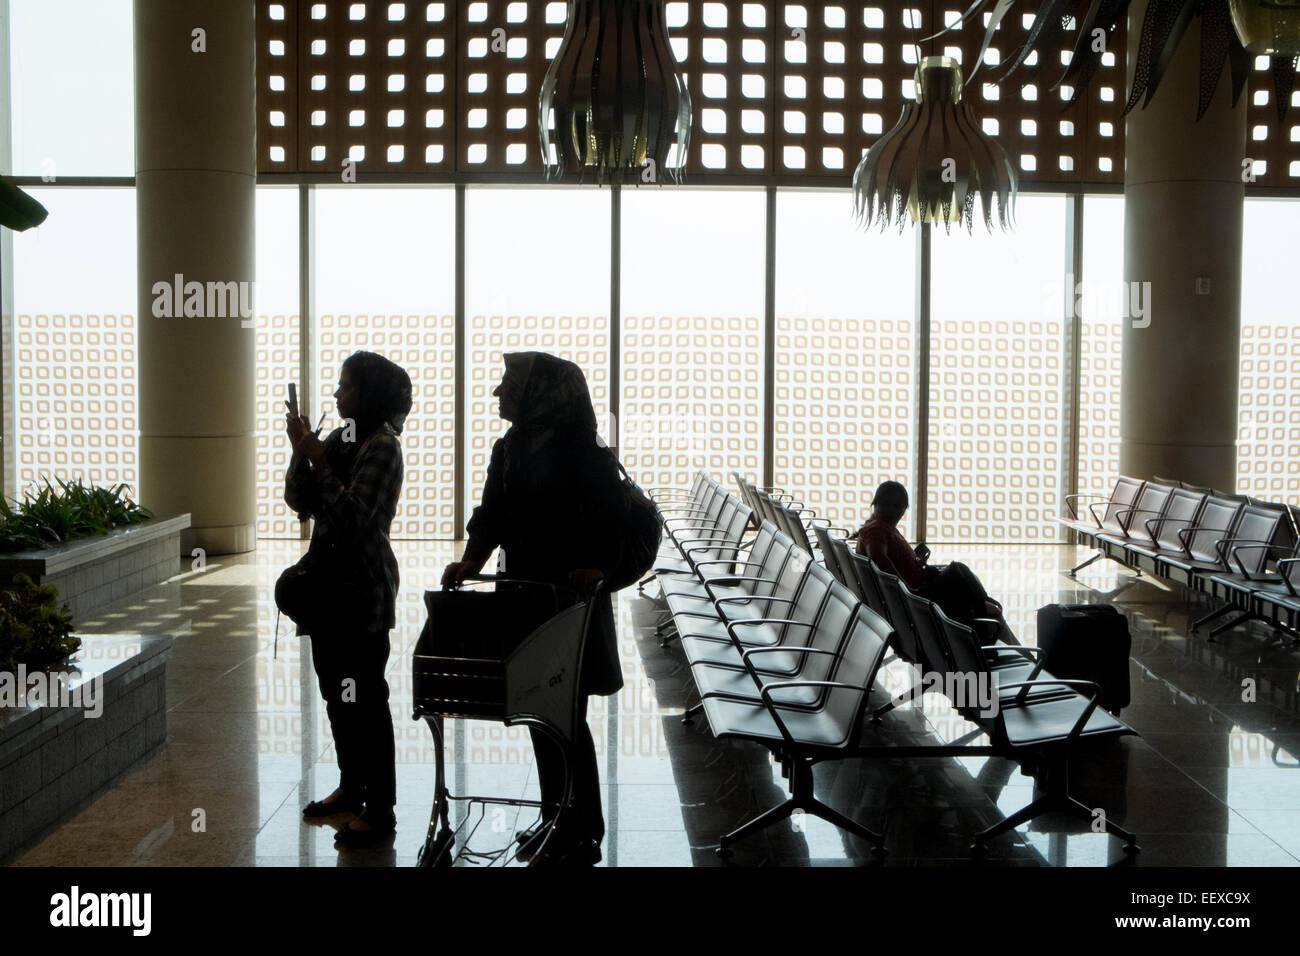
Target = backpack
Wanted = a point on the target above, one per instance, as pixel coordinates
(638, 529)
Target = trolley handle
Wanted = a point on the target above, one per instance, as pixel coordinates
(501, 579)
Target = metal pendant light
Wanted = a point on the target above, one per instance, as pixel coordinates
(1230, 32)
(619, 103)
(1267, 27)
(935, 161)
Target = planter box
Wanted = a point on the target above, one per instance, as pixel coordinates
(90, 572)
(54, 758)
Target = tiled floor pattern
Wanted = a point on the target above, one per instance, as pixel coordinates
(1212, 781)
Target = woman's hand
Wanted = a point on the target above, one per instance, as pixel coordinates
(922, 553)
(313, 448)
(584, 579)
(458, 571)
(305, 441)
(297, 427)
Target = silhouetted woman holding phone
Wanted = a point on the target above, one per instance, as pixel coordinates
(551, 487)
(350, 484)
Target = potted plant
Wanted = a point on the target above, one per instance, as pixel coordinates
(76, 510)
(34, 629)
(18, 210)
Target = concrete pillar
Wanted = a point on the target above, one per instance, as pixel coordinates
(195, 177)
(1183, 194)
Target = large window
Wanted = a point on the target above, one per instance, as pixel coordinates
(692, 347)
(692, 336)
(1268, 415)
(995, 379)
(71, 370)
(278, 350)
(72, 90)
(385, 282)
(536, 279)
(845, 399)
(1101, 298)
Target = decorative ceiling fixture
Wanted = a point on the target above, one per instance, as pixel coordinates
(1267, 27)
(1163, 28)
(935, 161)
(621, 110)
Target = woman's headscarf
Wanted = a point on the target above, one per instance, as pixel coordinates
(385, 389)
(553, 412)
(553, 392)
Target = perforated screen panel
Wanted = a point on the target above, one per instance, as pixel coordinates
(76, 399)
(1272, 146)
(1268, 416)
(778, 89)
(504, 51)
(373, 83)
(277, 365)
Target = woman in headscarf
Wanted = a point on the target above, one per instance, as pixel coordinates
(350, 484)
(953, 586)
(550, 489)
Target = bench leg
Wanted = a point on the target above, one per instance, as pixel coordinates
(801, 798)
(906, 697)
(1241, 618)
(830, 815)
(1055, 799)
(1206, 619)
(1079, 567)
(667, 633)
(762, 821)
(1113, 828)
(1026, 813)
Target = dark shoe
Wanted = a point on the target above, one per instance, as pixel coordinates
(324, 808)
(582, 853)
(379, 827)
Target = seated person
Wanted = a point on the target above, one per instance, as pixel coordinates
(953, 586)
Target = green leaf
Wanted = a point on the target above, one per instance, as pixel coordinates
(18, 210)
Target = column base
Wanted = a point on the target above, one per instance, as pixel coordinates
(226, 539)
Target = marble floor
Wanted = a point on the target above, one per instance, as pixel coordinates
(1212, 781)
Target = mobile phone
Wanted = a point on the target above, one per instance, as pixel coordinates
(293, 399)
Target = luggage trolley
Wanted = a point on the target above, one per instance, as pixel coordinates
(470, 663)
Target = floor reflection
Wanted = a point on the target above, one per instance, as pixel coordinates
(1208, 783)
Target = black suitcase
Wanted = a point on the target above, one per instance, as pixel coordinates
(1087, 642)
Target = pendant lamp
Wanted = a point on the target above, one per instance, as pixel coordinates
(614, 106)
(1230, 32)
(935, 161)
(1267, 27)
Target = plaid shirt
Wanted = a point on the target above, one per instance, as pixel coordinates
(357, 516)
